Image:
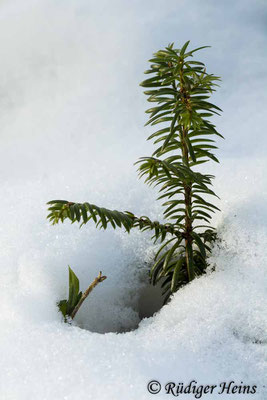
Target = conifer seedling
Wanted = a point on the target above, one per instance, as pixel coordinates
(178, 88)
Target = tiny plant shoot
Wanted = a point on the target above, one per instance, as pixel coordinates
(179, 88)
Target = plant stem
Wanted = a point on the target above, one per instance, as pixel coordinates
(188, 217)
(187, 187)
(96, 281)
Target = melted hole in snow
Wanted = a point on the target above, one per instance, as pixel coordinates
(150, 301)
(104, 314)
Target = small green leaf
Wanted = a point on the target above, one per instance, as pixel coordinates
(190, 148)
(200, 244)
(73, 288)
(184, 48)
(84, 213)
(176, 273)
(77, 212)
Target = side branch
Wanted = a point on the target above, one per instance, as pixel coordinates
(83, 212)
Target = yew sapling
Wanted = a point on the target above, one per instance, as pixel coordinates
(180, 88)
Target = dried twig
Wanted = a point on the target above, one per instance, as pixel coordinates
(97, 280)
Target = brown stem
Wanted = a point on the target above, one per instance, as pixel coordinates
(188, 231)
(97, 280)
(188, 219)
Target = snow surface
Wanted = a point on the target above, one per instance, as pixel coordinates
(69, 129)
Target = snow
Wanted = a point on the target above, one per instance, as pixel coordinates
(62, 137)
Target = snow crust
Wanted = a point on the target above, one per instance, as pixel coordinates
(70, 130)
